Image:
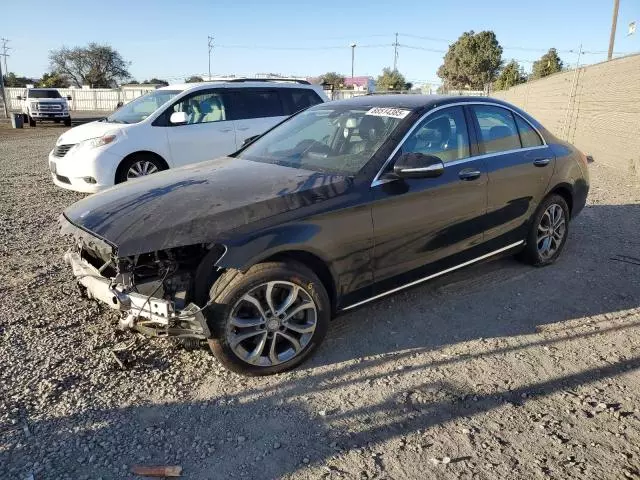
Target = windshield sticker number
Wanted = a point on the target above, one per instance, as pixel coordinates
(388, 112)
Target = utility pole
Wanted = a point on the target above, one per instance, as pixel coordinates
(353, 56)
(395, 53)
(4, 53)
(210, 44)
(614, 22)
(4, 93)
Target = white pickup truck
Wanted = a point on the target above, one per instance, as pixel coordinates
(44, 104)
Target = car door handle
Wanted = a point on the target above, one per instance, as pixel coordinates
(225, 130)
(469, 174)
(541, 162)
(242, 129)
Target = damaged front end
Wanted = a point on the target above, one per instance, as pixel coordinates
(154, 290)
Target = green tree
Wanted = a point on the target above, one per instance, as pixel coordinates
(156, 81)
(99, 66)
(53, 80)
(194, 79)
(390, 80)
(333, 78)
(472, 61)
(512, 74)
(549, 63)
(12, 80)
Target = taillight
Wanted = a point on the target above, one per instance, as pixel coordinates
(583, 159)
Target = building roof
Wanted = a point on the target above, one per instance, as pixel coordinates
(359, 81)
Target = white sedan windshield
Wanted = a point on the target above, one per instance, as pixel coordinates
(327, 138)
(140, 108)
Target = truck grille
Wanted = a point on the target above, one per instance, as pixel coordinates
(49, 107)
(61, 150)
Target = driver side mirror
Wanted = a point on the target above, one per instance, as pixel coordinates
(19, 97)
(69, 97)
(179, 118)
(418, 165)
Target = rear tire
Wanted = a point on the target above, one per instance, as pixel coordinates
(268, 319)
(548, 232)
(138, 165)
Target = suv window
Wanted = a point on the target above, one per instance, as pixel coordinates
(497, 128)
(296, 99)
(443, 134)
(202, 107)
(252, 103)
(528, 136)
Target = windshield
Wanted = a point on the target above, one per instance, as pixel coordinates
(44, 94)
(140, 108)
(336, 139)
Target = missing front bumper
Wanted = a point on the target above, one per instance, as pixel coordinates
(149, 315)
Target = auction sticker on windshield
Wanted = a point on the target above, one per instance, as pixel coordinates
(388, 112)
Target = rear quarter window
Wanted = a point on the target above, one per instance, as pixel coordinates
(296, 99)
(528, 135)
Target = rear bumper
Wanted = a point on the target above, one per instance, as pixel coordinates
(580, 193)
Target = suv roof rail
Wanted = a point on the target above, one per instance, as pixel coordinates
(293, 80)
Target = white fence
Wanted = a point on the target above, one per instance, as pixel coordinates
(88, 99)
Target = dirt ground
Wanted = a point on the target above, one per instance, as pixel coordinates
(498, 371)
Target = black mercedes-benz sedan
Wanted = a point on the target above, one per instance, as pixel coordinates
(339, 205)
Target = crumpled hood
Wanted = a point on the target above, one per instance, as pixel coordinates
(87, 131)
(199, 203)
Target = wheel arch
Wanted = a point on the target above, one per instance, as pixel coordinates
(128, 157)
(565, 190)
(312, 260)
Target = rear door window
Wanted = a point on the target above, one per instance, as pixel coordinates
(498, 130)
(296, 99)
(249, 103)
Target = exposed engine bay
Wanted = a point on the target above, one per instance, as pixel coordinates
(154, 291)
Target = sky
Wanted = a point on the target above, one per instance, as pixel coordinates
(168, 39)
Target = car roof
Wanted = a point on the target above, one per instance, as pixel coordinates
(237, 84)
(411, 101)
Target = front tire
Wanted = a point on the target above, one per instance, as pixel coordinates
(67, 122)
(136, 166)
(548, 232)
(268, 319)
(32, 122)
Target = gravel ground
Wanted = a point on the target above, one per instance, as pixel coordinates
(499, 371)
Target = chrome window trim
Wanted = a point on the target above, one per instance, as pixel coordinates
(377, 181)
(434, 275)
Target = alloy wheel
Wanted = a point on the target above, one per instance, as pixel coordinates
(272, 323)
(140, 169)
(551, 231)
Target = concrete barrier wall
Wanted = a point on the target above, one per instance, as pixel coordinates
(597, 108)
